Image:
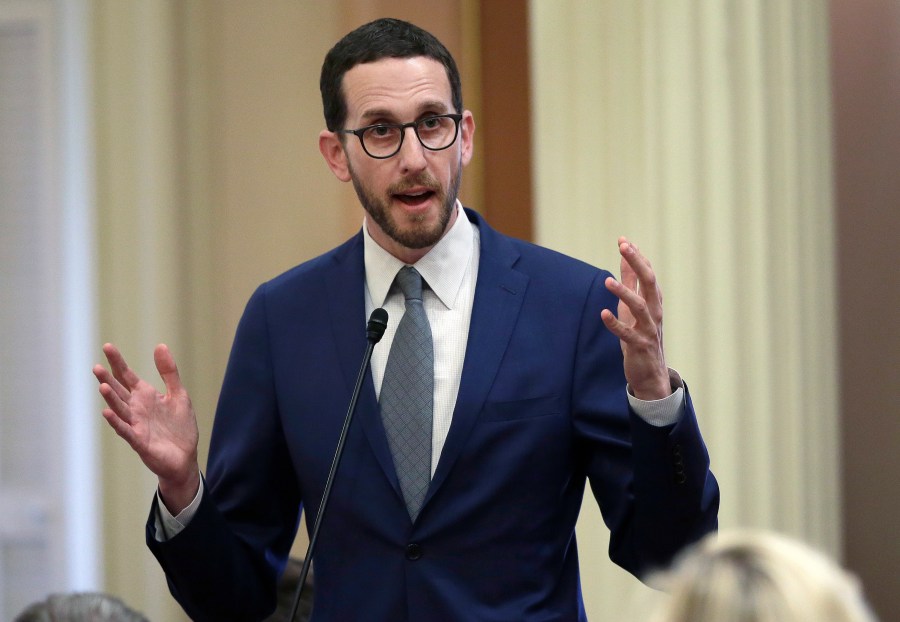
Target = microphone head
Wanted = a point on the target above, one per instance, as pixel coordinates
(377, 325)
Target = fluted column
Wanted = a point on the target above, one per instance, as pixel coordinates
(701, 130)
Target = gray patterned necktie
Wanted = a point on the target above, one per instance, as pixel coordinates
(407, 395)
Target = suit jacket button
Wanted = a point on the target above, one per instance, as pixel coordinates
(413, 551)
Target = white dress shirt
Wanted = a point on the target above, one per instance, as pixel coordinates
(449, 270)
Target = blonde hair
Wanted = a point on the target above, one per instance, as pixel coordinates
(755, 576)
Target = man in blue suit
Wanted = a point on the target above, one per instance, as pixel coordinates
(538, 387)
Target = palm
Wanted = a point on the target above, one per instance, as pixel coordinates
(161, 428)
(165, 432)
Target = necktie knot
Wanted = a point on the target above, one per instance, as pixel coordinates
(410, 282)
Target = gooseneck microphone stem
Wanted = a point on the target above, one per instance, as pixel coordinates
(374, 331)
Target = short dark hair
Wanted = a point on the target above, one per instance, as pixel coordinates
(383, 38)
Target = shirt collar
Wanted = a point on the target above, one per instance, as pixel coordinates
(443, 267)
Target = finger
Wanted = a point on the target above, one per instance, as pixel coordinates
(616, 326)
(104, 377)
(121, 428)
(647, 285)
(115, 403)
(625, 240)
(168, 370)
(634, 302)
(628, 276)
(119, 367)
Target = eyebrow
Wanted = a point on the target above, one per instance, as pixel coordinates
(436, 106)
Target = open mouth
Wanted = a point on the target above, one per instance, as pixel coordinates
(414, 198)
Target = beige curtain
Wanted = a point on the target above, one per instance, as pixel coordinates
(701, 129)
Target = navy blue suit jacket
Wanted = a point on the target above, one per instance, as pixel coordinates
(541, 410)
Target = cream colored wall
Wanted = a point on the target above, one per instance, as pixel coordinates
(137, 219)
(702, 131)
(209, 182)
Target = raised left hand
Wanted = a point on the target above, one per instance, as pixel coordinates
(639, 324)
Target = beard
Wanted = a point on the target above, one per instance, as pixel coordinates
(415, 232)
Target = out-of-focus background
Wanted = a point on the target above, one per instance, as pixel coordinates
(158, 160)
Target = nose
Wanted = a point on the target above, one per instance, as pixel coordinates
(412, 153)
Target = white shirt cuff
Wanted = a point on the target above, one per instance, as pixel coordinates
(660, 413)
(168, 526)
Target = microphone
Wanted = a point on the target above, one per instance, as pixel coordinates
(374, 332)
(376, 326)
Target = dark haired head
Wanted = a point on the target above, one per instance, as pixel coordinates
(383, 38)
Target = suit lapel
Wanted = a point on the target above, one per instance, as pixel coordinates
(499, 293)
(344, 283)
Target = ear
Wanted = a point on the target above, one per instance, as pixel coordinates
(467, 136)
(332, 150)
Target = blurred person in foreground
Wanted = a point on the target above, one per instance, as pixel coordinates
(508, 378)
(80, 607)
(758, 576)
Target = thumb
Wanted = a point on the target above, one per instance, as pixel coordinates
(168, 370)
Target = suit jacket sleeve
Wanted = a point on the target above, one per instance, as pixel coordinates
(653, 484)
(246, 521)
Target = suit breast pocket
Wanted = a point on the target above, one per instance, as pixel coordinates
(530, 408)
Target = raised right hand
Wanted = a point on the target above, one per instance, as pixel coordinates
(161, 429)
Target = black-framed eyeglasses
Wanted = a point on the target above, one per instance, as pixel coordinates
(384, 140)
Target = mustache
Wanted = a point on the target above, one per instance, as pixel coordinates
(422, 180)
